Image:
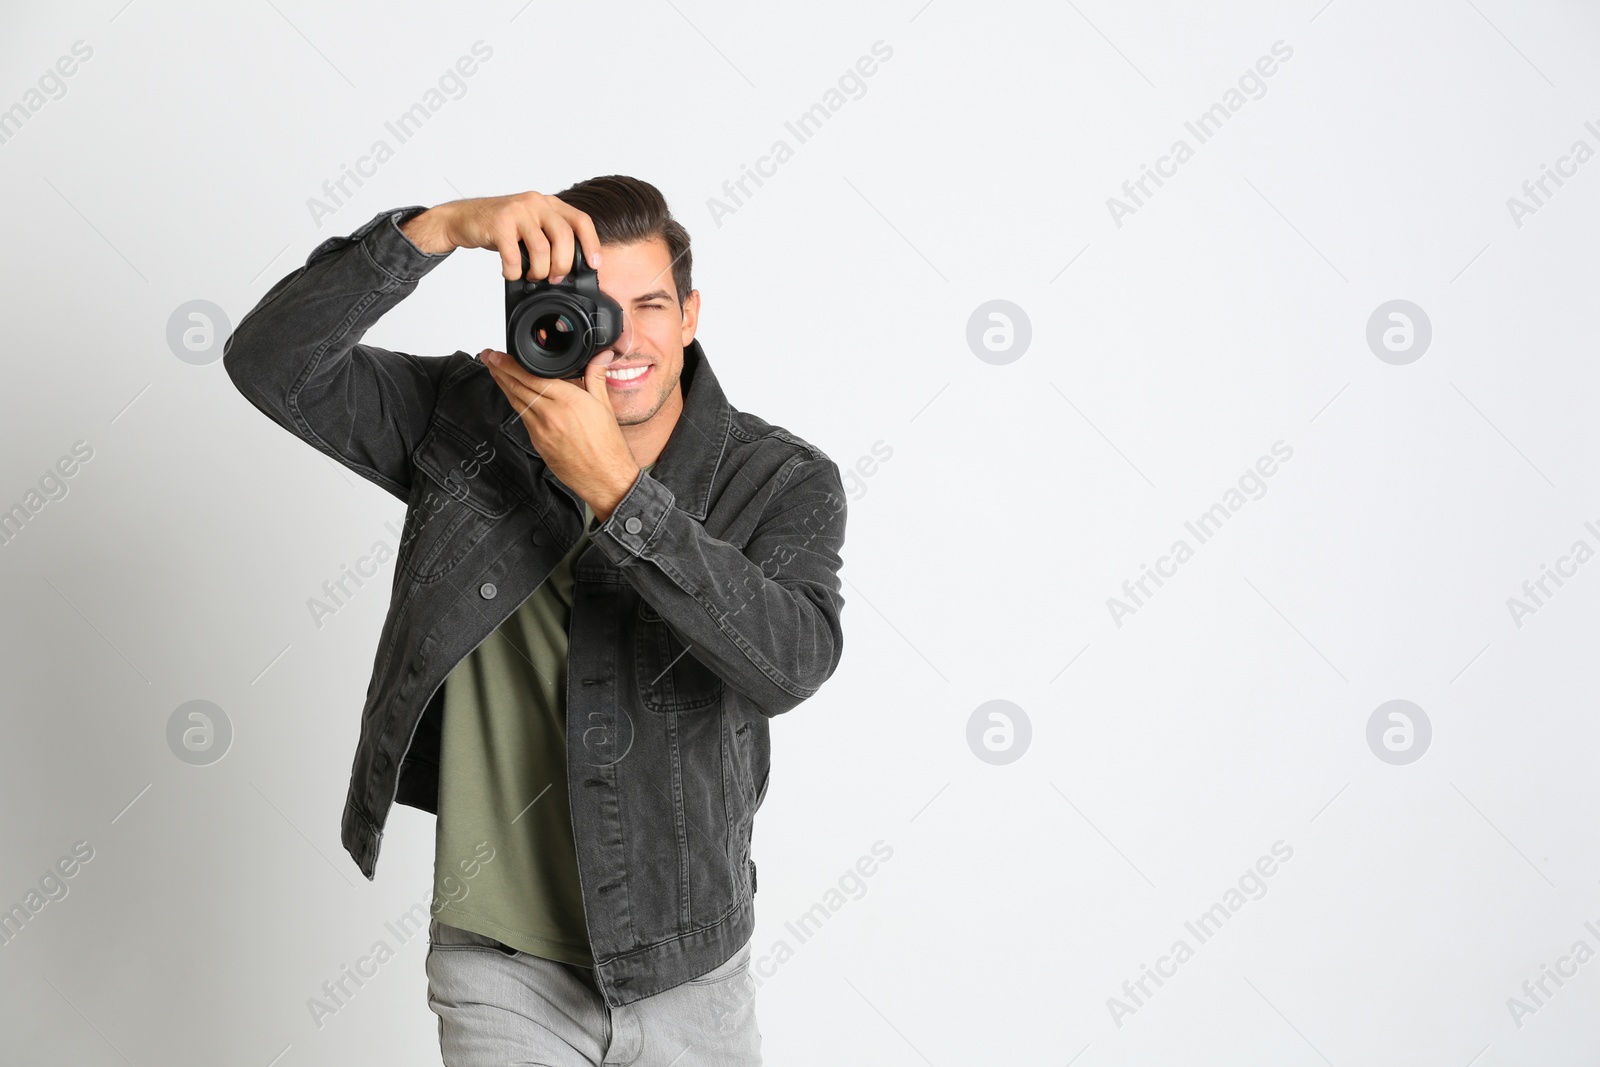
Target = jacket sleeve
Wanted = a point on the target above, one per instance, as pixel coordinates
(764, 618)
(296, 355)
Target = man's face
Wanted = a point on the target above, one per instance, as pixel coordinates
(649, 353)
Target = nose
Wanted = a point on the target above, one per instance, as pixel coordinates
(624, 342)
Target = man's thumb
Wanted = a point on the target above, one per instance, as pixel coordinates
(594, 377)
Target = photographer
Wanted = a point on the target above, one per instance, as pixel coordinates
(606, 588)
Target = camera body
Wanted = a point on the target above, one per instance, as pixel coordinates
(554, 330)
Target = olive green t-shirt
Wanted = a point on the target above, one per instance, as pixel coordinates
(503, 782)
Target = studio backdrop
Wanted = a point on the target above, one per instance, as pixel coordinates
(1212, 388)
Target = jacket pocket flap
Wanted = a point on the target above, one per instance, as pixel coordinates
(468, 471)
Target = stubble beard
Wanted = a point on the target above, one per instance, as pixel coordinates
(660, 402)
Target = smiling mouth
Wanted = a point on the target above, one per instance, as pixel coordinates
(628, 377)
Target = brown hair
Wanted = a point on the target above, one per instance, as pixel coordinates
(627, 210)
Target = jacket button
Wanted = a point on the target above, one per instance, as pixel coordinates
(633, 525)
(540, 537)
(487, 590)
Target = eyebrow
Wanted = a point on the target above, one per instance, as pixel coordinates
(659, 294)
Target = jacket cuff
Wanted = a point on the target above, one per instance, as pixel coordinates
(391, 250)
(632, 527)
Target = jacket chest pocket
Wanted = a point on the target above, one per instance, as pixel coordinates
(669, 677)
(436, 540)
(461, 493)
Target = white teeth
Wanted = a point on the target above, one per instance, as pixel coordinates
(626, 375)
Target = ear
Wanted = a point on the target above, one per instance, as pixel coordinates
(691, 317)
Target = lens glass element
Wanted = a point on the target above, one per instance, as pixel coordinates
(553, 333)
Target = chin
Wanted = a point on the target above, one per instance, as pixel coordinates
(638, 411)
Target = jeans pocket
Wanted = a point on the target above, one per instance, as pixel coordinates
(734, 965)
(444, 937)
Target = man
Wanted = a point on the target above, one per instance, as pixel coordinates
(605, 589)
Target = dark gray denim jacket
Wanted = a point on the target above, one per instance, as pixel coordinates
(708, 602)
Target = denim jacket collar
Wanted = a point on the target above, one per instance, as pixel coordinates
(688, 463)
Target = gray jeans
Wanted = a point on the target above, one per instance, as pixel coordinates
(499, 1006)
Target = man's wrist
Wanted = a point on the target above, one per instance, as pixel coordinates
(608, 506)
(426, 231)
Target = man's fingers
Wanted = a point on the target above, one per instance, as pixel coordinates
(561, 243)
(583, 226)
(538, 250)
(523, 390)
(505, 242)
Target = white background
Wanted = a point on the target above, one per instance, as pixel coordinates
(1168, 353)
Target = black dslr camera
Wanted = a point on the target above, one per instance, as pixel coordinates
(554, 330)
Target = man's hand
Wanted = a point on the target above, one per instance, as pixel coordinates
(546, 224)
(572, 427)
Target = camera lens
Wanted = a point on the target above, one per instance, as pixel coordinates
(554, 333)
